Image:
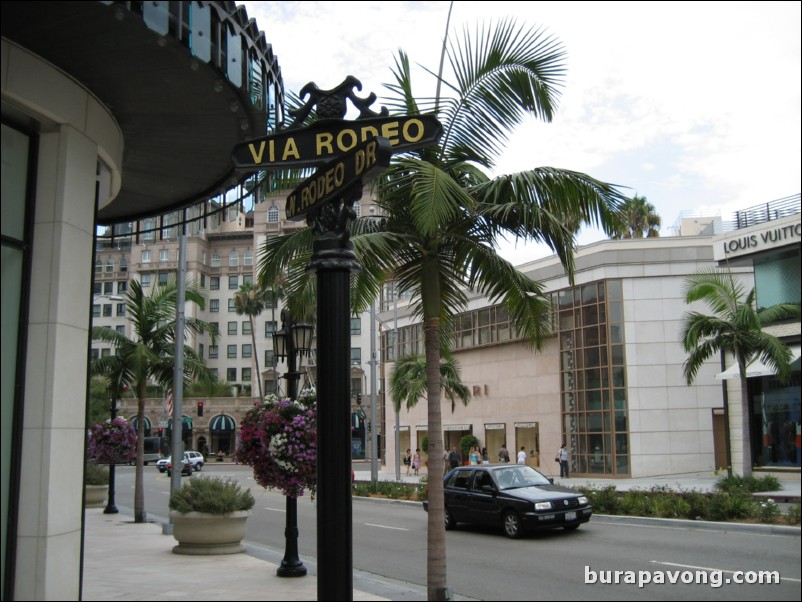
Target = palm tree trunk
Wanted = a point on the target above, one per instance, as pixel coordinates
(745, 428)
(256, 357)
(139, 478)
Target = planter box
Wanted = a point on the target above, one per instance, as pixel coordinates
(96, 496)
(199, 533)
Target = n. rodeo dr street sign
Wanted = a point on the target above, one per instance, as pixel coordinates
(360, 163)
(329, 138)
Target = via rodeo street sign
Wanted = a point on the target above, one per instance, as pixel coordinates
(331, 135)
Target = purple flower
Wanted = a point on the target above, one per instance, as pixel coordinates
(112, 442)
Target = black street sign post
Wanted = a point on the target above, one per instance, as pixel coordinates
(353, 152)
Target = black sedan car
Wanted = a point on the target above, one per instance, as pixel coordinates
(516, 497)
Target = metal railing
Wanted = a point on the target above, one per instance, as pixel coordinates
(767, 212)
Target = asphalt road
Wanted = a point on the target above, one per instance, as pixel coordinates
(389, 551)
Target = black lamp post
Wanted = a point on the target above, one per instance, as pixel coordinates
(111, 506)
(291, 339)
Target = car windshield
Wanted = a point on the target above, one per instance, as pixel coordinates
(519, 476)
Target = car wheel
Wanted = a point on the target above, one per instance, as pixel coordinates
(450, 522)
(512, 525)
(571, 527)
(198, 466)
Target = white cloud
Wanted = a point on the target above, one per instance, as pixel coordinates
(687, 103)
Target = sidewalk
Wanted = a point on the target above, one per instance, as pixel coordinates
(128, 561)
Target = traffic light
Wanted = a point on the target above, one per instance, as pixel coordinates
(359, 399)
(200, 408)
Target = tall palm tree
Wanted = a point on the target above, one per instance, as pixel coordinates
(441, 213)
(150, 356)
(736, 326)
(640, 219)
(408, 381)
(250, 301)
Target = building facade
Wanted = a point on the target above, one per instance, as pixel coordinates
(610, 382)
(111, 111)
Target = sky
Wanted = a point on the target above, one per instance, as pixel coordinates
(694, 105)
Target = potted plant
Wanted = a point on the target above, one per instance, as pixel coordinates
(208, 516)
(96, 483)
(112, 442)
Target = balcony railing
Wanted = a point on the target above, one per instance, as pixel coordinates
(767, 212)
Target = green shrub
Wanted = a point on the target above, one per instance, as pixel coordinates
(767, 511)
(96, 474)
(393, 490)
(728, 506)
(605, 500)
(423, 488)
(751, 484)
(792, 518)
(698, 504)
(363, 489)
(637, 503)
(212, 495)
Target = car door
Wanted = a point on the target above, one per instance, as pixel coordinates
(457, 494)
(483, 499)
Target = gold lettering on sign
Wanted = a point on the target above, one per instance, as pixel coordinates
(291, 150)
(257, 157)
(324, 143)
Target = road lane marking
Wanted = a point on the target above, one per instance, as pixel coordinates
(276, 509)
(705, 568)
(386, 527)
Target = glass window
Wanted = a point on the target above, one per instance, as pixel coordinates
(270, 328)
(777, 280)
(246, 327)
(231, 374)
(214, 283)
(200, 350)
(232, 328)
(247, 279)
(246, 375)
(120, 330)
(121, 309)
(269, 358)
(231, 352)
(145, 279)
(356, 325)
(97, 288)
(108, 288)
(213, 351)
(109, 265)
(214, 305)
(272, 214)
(248, 258)
(123, 264)
(149, 227)
(107, 310)
(233, 259)
(247, 350)
(146, 256)
(356, 356)
(99, 266)
(96, 310)
(232, 307)
(203, 280)
(163, 276)
(233, 283)
(164, 254)
(215, 260)
(122, 287)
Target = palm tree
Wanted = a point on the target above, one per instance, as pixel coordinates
(408, 381)
(736, 326)
(250, 301)
(441, 214)
(640, 219)
(149, 355)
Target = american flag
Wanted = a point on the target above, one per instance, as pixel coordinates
(169, 402)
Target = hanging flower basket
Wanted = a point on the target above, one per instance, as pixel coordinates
(112, 442)
(278, 440)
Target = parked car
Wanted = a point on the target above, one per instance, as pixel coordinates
(186, 468)
(162, 463)
(517, 498)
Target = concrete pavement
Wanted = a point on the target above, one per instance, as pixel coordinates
(128, 561)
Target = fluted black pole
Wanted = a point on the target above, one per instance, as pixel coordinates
(111, 506)
(333, 260)
(291, 565)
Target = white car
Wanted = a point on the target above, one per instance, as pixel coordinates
(194, 458)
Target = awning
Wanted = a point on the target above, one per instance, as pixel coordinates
(186, 423)
(222, 424)
(135, 423)
(758, 368)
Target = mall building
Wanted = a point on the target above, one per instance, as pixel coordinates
(609, 382)
(111, 112)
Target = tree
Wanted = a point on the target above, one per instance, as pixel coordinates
(441, 213)
(150, 355)
(250, 301)
(408, 381)
(736, 326)
(640, 219)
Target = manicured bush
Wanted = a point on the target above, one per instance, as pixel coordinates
(96, 475)
(212, 495)
(792, 517)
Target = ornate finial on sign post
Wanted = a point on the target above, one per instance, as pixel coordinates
(331, 103)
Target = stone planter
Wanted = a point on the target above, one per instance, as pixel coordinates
(199, 533)
(96, 496)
